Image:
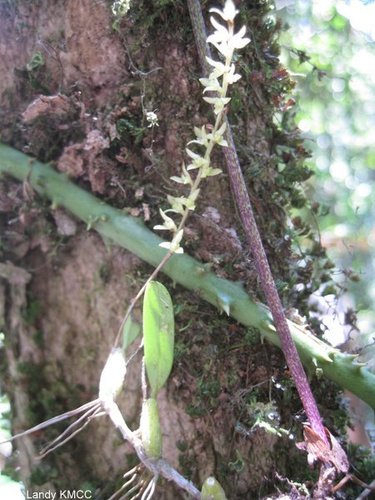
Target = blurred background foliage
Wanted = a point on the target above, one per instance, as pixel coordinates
(329, 49)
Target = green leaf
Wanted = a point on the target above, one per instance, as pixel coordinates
(158, 335)
(130, 332)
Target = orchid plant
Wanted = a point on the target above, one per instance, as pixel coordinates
(158, 310)
(223, 74)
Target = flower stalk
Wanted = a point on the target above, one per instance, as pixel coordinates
(222, 75)
(242, 200)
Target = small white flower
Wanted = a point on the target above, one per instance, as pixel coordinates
(168, 223)
(152, 118)
(223, 38)
(201, 142)
(232, 77)
(120, 7)
(168, 245)
(194, 156)
(226, 42)
(174, 245)
(238, 41)
(177, 204)
(181, 180)
(211, 85)
(221, 33)
(228, 13)
(219, 139)
(176, 242)
(218, 102)
(200, 132)
(198, 160)
(185, 177)
(210, 172)
(198, 163)
(219, 70)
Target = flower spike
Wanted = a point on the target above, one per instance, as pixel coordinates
(223, 73)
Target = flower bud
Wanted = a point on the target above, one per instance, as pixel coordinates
(112, 376)
(212, 490)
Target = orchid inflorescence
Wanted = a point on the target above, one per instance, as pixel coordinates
(223, 74)
(158, 355)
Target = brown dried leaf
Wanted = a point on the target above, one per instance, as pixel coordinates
(14, 275)
(146, 212)
(71, 161)
(341, 460)
(319, 450)
(55, 104)
(66, 226)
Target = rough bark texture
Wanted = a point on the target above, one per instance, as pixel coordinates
(66, 296)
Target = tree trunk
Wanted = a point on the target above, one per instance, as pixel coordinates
(75, 92)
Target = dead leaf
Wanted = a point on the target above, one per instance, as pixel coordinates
(146, 212)
(71, 160)
(55, 104)
(14, 275)
(66, 226)
(319, 450)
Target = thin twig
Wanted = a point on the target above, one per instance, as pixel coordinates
(134, 301)
(368, 491)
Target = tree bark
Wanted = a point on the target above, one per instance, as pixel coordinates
(74, 92)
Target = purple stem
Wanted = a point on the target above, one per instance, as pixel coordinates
(254, 241)
(242, 200)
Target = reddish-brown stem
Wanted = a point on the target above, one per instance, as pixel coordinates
(242, 200)
(254, 241)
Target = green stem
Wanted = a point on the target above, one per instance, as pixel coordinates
(132, 235)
